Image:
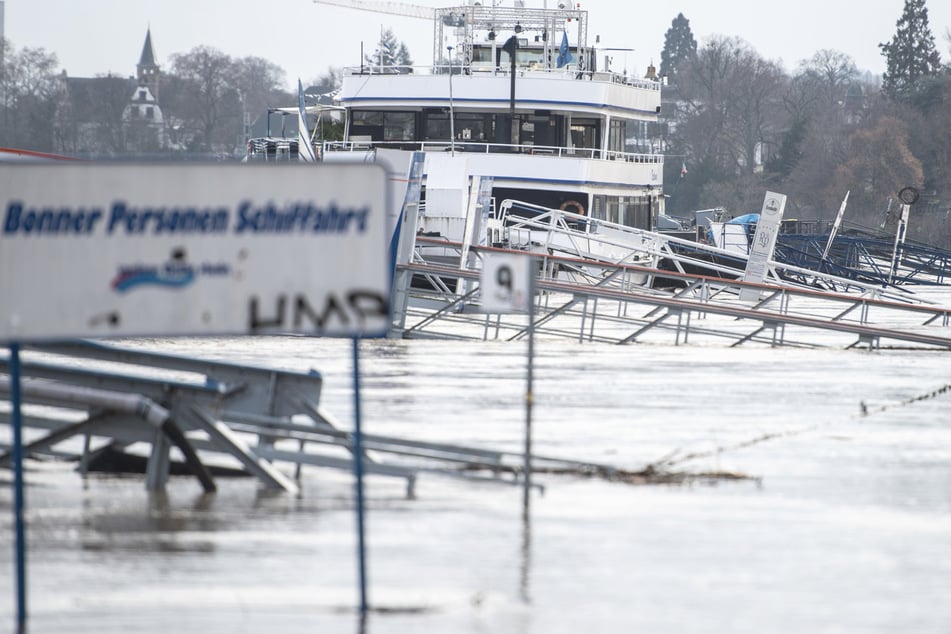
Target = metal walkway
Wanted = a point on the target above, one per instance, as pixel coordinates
(867, 258)
(589, 300)
(601, 281)
(551, 231)
(81, 398)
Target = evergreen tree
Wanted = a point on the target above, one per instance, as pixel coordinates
(911, 56)
(403, 58)
(680, 47)
(391, 55)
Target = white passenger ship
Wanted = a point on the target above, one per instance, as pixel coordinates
(547, 127)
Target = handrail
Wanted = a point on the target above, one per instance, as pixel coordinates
(482, 147)
(569, 72)
(640, 241)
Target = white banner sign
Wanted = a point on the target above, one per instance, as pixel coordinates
(505, 283)
(764, 242)
(96, 250)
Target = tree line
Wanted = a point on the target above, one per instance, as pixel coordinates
(205, 98)
(735, 124)
(205, 95)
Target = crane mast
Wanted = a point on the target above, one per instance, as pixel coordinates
(382, 6)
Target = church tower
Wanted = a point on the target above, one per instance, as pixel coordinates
(147, 71)
(142, 118)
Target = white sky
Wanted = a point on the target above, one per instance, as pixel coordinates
(93, 37)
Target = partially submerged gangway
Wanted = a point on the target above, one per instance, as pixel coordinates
(83, 398)
(604, 281)
(587, 299)
(867, 258)
(552, 231)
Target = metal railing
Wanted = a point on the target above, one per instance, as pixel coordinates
(568, 72)
(480, 147)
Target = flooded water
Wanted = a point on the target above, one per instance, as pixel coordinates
(843, 526)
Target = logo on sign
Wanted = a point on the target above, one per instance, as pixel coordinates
(176, 273)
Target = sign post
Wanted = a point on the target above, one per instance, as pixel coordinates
(18, 494)
(508, 286)
(764, 242)
(111, 250)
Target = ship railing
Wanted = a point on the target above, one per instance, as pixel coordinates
(481, 147)
(482, 69)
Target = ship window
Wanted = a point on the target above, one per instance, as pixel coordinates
(363, 117)
(524, 57)
(393, 126)
(638, 212)
(611, 209)
(584, 133)
(597, 207)
(479, 128)
(436, 127)
(399, 126)
(617, 135)
(480, 54)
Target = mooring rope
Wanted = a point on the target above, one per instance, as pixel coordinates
(672, 458)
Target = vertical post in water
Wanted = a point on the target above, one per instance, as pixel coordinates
(529, 396)
(20, 541)
(358, 472)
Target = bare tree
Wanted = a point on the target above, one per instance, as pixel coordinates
(208, 74)
(880, 164)
(729, 111)
(756, 113)
(815, 140)
(29, 84)
(830, 73)
(258, 83)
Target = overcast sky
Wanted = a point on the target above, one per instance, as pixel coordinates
(94, 37)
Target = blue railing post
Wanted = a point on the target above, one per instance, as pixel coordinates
(20, 542)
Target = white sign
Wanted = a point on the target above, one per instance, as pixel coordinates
(95, 249)
(505, 283)
(764, 242)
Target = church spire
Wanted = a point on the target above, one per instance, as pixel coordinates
(147, 71)
(148, 53)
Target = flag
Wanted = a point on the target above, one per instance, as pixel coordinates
(564, 54)
(683, 169)
(510, 46)
(305, 151)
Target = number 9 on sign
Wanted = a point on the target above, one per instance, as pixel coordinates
(505, 283)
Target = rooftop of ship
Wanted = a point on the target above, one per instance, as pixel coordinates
(556, 67)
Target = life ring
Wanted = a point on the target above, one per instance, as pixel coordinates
(908, 195)
(572, 206)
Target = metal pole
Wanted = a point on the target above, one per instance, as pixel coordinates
(514, 132)
(899, 242)
(529, 397)
(835, 226)
(358, 472)
(452, 117)
(20, 542)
